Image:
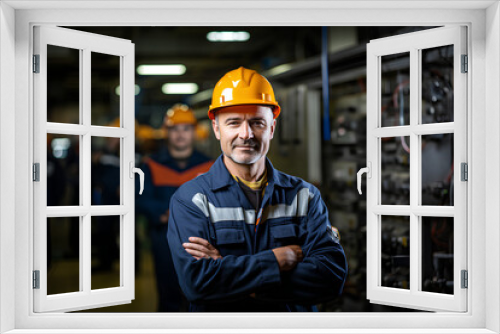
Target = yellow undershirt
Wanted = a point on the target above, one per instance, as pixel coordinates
(253, 185)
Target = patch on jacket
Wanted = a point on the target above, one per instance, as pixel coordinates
(333, 232)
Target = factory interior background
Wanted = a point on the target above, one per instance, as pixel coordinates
(325, 146)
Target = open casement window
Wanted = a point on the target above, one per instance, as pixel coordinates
(75, 201)
(416, 209)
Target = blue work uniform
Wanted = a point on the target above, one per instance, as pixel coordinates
(162, 177)
(247, 278)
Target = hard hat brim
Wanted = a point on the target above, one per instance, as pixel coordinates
(275, 108)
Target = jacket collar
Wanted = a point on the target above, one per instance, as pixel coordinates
(222, 178)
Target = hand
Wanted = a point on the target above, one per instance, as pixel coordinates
(200, 248)
(288, 256)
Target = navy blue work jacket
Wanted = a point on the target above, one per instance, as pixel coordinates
(213, 206)
(162, 177)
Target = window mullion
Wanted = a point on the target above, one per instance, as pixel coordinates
(66, 211)
(433, 128)
(85, 165)
(392, 131)
(85, 161)
(392, 210)
(85, 256)
(66, 129)
(415, 251)
(415, 169)
(101, 131)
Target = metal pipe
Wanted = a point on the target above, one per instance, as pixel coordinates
(325, 85)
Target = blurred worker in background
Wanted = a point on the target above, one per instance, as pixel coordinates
(174, 164)
(246, 237)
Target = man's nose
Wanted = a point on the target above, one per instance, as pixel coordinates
(246, 131)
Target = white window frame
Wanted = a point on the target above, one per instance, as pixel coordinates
(483, 21)
(413, 44)
(86, 44)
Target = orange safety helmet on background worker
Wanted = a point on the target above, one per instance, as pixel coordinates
(179, 114)
(243, 86)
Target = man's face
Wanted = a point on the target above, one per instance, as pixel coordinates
(180, 137)
(244, 132)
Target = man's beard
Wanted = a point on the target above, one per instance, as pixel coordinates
(249, 159)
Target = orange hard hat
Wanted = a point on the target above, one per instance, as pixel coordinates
(179, 114)
(242, 86)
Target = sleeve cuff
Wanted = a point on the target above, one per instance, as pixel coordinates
(269, 267)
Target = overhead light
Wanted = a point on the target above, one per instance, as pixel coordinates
(228, 36)
(161, 69)
(279, 69)
(137, 90)
(179, 88)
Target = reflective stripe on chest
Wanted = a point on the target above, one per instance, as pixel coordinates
(297, 208)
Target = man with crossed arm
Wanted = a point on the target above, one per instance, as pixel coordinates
(244, 236)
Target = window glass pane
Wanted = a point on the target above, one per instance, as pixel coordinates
(63, 85)
(63, 255)
(395, 252)
(105, 172)
(437, 84)
(437, 169)
(105, 89)
(63, 170)
(105, 238)
(395, 89)
(395, 176)
(437, 254)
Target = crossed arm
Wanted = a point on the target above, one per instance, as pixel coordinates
(306, 274)
(287, 256)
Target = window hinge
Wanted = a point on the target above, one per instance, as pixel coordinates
(36, 63)
(36, 279)
(465, 279)
(36, 172)
(464, 171)
(465, 64)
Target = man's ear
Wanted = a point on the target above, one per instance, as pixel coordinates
(215, 127)
(273, 127)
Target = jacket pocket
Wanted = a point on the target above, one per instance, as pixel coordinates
(227, 236)
(230, 240)
(284, 234)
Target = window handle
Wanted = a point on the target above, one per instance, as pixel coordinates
(141, 175)
(368, 171)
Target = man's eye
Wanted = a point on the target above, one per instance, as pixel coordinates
(259, 124)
